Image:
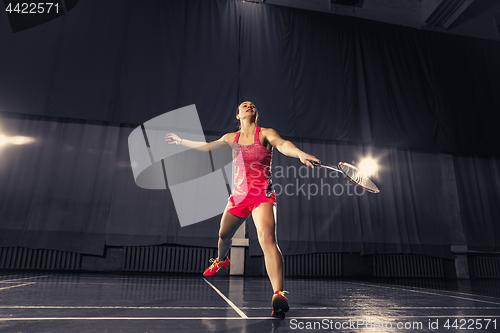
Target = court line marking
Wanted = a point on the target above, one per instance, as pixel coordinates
(33, 277)
(104, 283)
(461, 293)
(444, 291)
(394, 318)
(228, 307)
(19, 285)
(243, 315)
(117, 307)
(389, 307)
(426, 292)
(83, 276)
(449, 291)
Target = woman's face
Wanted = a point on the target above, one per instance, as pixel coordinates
(247, 109)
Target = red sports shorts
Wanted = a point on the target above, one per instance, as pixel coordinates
(248, 204)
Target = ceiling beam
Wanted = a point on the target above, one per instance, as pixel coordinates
(442, 13)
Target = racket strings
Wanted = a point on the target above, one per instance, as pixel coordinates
(357, 177)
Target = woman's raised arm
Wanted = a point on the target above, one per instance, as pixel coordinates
(287, 148)
(172, 138)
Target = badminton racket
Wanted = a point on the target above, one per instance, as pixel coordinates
(353, 174)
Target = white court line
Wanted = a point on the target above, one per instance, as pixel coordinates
(97, 284)
(235, 318)
(129, 318)
(227, 300)
(458, 292)
(19, 285)
(388, 307)
(228, 307)
(131, 276)
(425, 292)
(443, 291)
(33, 277)
(116, 307)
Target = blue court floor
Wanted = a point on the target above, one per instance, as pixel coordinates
(99, 302)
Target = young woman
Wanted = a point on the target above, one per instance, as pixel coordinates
(252, 193)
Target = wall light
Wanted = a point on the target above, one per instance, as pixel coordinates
(15, 140)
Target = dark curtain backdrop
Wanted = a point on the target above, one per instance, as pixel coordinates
(417, 210)
(426, 104)
(312, 75)
(72, 189)
(479, 194)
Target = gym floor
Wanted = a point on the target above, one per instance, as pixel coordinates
(101, 302)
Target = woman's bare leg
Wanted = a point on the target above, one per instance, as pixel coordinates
(229, 224)
(265, 223)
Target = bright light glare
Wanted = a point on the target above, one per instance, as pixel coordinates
(368, 166)
(21, 140)
(15, 140)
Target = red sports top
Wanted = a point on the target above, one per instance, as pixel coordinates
(252, 176)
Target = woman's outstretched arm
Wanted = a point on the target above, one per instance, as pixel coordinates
(287, 148)
(172, 138)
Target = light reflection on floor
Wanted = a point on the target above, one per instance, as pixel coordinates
(93, 302)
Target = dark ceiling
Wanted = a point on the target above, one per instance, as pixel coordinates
(474, 18)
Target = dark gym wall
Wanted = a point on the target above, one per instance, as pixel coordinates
(426, 104)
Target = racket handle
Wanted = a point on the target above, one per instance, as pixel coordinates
(316, 164)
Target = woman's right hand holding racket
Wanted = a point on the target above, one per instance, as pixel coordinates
(308, 159)
(172, 138)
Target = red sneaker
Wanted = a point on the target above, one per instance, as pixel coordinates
(280, 304)
(216, 265)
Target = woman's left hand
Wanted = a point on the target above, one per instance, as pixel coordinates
(172, 138)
